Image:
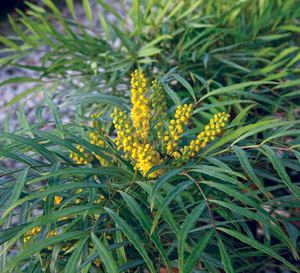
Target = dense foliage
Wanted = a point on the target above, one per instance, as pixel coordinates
(113, 191)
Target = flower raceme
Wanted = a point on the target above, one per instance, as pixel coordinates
(146, 135)
(140, 112)
(213, 129)
(175, 128)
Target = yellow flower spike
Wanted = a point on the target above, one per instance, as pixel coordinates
(175, 129)
(124, 130)
(140, 112)
(210, 131)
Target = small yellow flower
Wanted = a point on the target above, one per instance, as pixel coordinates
(57, 200)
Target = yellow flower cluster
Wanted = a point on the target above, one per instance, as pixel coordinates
(125, 131)
(175, 129)
(211, 130)
(85, 158)
(146, 157)
(31, 233)
(136, 148)
(95, 138)
(140, 112)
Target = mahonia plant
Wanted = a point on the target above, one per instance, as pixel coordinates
(146, 135)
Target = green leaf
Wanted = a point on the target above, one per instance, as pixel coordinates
(101, 98)
(137, 17)
(87, 9)
(70, 4)
(278, 166)
(146, 224)
(285, 52)
(19, 80)
(214, 106)
(242, 156)
(23, 120)
(21, 95)
(226, 261)
(197, 251)
(186, 85)
(132, 237)
(237, 194)
(19, 186)
(46, 192)
(161, 181)
(52, 6)
(262, 219)
(242, 115)
(71, 265)
(171, 94)
(189, 222)
(104, 25)
(232, 88)
(253, 243)
(105, 255)
(30, 143)
(167, 200)
(109, 8)
(167, 214)
(127, 43)
(157, 40)
(9, 43)
(7, 234)
(54, 110)
(148, 51)
(26, 38)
